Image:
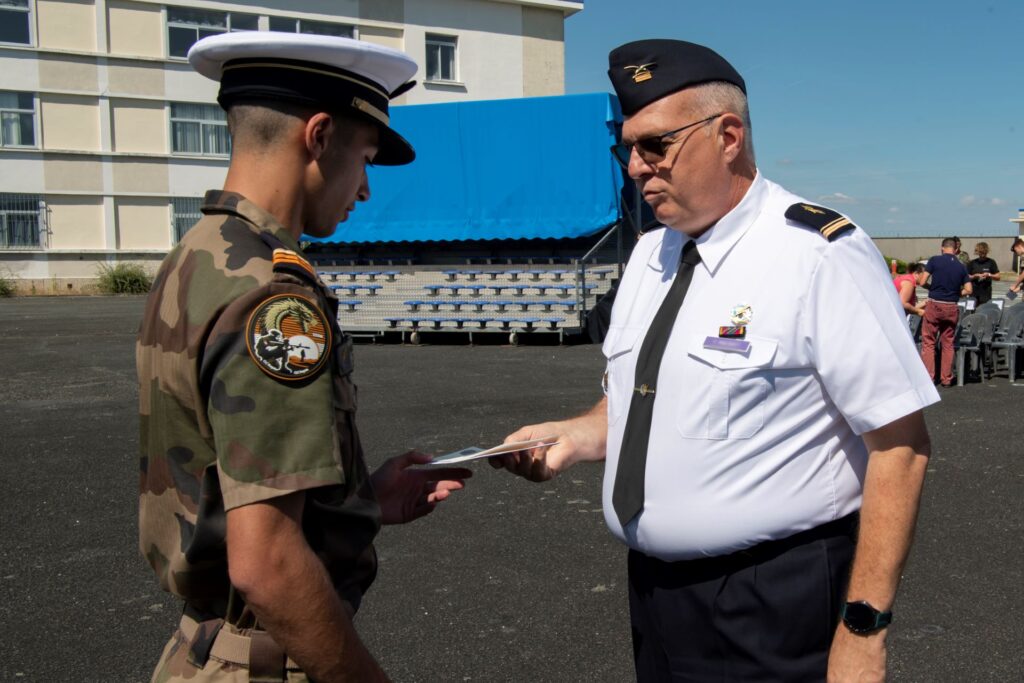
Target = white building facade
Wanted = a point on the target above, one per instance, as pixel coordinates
(108, 139)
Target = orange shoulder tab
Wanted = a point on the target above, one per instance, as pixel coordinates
(286, 259)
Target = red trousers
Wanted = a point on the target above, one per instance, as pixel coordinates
(939, 321)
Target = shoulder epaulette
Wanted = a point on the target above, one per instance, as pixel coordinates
(826, 221)
(287, 261)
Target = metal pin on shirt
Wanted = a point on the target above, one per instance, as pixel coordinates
(643, 390)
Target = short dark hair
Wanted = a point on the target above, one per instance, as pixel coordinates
(261, 123)
(917, 268)
(1017, 243)
(949, 243)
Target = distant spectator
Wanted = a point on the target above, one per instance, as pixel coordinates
(964, 257)
(949, 282)
(907, 285)
(983, 271)
(1018, 250)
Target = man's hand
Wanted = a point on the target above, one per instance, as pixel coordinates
(856, 658)
(579, 439)
(405, 494)
(919, 311)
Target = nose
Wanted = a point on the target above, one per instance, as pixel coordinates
(637, 167)
(363, 194)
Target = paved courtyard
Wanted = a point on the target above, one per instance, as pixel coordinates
(510, 581)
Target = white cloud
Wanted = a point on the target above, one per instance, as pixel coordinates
(894, 209)
(837, 198)
(970, 200)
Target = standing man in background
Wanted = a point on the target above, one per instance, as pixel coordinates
(752, 443)
(949, 281)
(982, 271)
(256, 505)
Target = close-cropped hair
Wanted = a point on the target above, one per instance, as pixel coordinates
(719, 96)
(1017, 243)
(918, 268)
(261, 124)
(948, 243)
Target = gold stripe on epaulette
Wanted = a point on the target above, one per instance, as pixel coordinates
(838, 224)
(290, 257)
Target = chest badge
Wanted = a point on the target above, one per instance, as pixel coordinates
(742, 314)
(287, 336)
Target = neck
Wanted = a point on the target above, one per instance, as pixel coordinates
(739, 183)
(271, 182)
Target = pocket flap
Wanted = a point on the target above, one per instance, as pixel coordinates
(760, 354)
(620, 339)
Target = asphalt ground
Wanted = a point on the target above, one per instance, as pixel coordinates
(509, 581)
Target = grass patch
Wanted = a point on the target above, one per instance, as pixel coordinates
(124, 278)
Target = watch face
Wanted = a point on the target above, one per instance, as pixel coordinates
(860, 617)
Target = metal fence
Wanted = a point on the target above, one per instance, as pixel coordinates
(22, 221)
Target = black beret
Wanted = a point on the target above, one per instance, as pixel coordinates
(647, 70)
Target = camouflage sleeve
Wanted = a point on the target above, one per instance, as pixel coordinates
(266, 371)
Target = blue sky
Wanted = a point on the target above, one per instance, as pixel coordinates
(906, 115)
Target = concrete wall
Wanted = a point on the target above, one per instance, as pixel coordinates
(140, 126)
(76, 222)
(67, 24)
(143, 223)
(135, 29)
(914, 248)
(70, 122)
(543, 52)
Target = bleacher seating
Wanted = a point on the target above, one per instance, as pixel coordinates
(509, 300)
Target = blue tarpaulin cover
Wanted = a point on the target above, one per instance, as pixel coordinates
(532, 168)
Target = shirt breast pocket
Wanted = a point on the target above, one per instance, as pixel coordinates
(618, 345)
(727, 400)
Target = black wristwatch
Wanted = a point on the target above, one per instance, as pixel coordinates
(861, 617)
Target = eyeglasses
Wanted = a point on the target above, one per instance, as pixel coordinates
(652, 149)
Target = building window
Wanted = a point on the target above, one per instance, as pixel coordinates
(17, 119)
(321, 28)
(15, 22)
(184, 214)
(199, 129)
(20, 221)
(441, 58)
(187, 26)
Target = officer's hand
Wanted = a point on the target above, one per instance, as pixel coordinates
(406, 494)
(540, 464)
(857, 658)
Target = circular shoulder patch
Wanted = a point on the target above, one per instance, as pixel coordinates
(288, 337)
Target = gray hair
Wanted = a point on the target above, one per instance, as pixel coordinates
(720, 96)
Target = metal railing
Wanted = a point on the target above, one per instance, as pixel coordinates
(22, 221)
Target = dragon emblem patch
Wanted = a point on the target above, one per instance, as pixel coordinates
(288, 337)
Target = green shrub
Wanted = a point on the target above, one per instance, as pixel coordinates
(901, 266)
(6, 286)
(124, 278)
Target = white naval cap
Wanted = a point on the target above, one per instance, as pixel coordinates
(341, 74)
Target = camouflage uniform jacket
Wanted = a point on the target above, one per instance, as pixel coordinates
(244, 395)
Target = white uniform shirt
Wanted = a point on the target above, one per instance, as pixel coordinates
(746, 448)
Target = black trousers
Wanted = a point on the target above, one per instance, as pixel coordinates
(764, 614)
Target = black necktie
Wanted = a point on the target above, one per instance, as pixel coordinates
(628, 495)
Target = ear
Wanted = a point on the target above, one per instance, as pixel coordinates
(317, 134)
(732, 136)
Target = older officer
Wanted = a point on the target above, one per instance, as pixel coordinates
(753, 405)
(256, 506)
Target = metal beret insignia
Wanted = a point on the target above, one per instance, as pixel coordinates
(829, 223)
(288, 337)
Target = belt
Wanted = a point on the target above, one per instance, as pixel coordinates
(940, 301)
(725, 564)
(233, 648)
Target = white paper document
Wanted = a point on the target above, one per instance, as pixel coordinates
(475, 453)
